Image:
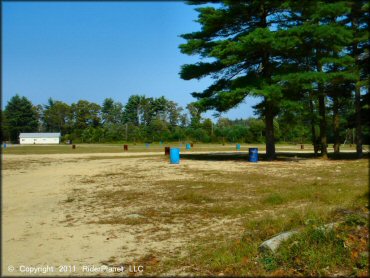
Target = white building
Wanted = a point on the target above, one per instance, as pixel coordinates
(39, 138)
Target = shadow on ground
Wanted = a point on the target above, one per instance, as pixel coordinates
(281, 156)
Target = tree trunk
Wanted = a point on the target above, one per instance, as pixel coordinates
(336, 125)
(358, 123)
(269, 134)
(355, 53)
(322, 113)
(313, 130)
(269, 108)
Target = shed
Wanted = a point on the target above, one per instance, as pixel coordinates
(39, 138)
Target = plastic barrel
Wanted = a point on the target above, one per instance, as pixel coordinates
(253, 154)
(238, 147)
(188, 146)
(4, 145)
(174, 156)
(147, 145)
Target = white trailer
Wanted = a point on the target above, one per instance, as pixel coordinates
(39, 138)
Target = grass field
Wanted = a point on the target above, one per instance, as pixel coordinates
(205, 216)
(155, 147)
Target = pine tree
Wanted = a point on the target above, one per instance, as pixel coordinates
(21, 116)
(358, 20)
(244, 41)
(320, 59)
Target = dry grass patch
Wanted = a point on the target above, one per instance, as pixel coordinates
(120, 221)
(219, 216)
(324, 190)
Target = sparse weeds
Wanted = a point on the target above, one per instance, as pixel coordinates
(266, 199)
(121, 221)
(317, 251)
(194, 198)
(69, 199)
(273, 199)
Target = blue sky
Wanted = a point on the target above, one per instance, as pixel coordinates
(94, 50)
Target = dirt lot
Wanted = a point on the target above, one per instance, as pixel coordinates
(133, 209)
(57, 210)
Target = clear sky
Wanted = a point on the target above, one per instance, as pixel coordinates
(94, 50)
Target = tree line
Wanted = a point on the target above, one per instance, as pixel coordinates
(146, 119)
(141, 119)
(307, 60)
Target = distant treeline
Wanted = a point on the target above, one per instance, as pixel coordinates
(147, 119)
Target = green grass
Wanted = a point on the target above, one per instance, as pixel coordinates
(116, 148)
(321, 252)
(270, 205)
(273, 199)
(140, 147)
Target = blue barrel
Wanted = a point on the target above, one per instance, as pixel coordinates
(175, 156)
(160, 143)
(253, 154)
(147, 145)
(4, 145)
(238, 147)
(188, 146)
(180, 144)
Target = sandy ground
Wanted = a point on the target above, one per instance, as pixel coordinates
(57, 211)
(48, 218)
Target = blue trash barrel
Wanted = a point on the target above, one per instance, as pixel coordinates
(238, 147)
(188, 146)
(4, 145)
(147, 145)
(175, 156)
(253, 154)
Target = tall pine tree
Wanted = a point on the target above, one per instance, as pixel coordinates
(244, 43)
(21, 116)
(321, 37)
(358, 20)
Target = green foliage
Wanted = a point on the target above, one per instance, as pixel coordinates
(355, 219)
(20, 116)
(85, 114)
(56, 116)
(111, 112)
(284, 52)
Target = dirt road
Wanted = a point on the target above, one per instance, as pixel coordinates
(54, 216)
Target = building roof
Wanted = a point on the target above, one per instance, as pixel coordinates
(40, 135)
